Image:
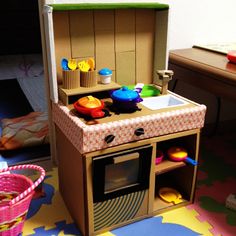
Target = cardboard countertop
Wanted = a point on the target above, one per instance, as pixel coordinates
(144, 111)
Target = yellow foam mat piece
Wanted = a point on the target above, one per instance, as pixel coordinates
(106, 234)
(187, 218)
(49, 214)
(57, 211)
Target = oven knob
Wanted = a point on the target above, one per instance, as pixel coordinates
(109, 138)
(139, 131)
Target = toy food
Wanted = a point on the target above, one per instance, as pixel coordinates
(90, 106)
(170, 195)
(180, 154)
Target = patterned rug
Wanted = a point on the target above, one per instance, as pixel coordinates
(207, 216)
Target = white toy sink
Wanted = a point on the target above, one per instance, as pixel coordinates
(163, 101)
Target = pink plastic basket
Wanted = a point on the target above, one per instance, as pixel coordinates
(16, 192)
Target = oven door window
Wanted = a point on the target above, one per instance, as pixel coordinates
(122, 173)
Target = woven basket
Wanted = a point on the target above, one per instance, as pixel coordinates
(16, 192)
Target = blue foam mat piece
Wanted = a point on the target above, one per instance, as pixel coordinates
(154, 227)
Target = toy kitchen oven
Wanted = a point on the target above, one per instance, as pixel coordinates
(106, 158)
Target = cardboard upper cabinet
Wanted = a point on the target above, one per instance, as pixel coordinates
(129, 38)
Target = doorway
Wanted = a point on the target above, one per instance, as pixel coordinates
(22, 80)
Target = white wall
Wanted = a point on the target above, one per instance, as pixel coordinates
(201, 21)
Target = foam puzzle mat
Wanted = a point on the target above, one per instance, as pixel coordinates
(208, 215)
(48, 216)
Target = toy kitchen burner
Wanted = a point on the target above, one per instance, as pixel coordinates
(122, 101)
(106, 161)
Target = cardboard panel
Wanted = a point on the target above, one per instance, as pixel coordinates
(160, 52)
(113, 78)
(105, 55)
(71, 170)
(61, 39)
(104, 38)
(125, 68)
(145, 28)
(104, 20)
(124, 30)
(82, 33)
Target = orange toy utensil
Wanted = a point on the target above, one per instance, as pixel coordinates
(91, 63)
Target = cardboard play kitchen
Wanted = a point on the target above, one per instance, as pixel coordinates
(116, 115)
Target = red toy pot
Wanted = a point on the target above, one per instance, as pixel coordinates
(90, 106)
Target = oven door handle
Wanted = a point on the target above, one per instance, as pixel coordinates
(127, 157)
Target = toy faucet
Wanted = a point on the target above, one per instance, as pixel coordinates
(165, 76)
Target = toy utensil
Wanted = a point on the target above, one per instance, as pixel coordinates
(64, 64)
(84, 66)
(72, 64)
(170, 195)
(138, 87)
(91, 63)
(180, 154)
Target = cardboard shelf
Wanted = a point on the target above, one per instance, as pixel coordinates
(160, 205)
(167, 165)
(66, 95)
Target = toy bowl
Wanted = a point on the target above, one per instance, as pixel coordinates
(159, 157)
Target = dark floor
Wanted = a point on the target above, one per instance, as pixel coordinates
(13, 102)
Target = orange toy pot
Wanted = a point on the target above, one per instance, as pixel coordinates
(90, 106)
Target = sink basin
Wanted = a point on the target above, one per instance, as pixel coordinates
(163, 101)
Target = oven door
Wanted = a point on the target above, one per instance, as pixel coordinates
(121, 173)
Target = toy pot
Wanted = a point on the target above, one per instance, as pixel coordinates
(90, 106)
(125, 99)
(180, 154)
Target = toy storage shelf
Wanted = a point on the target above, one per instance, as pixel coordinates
(175, 175)
(161, 206)
(166, 166)
(68, 96)
(174, 179)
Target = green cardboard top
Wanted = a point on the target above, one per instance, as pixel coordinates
(104, 6)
